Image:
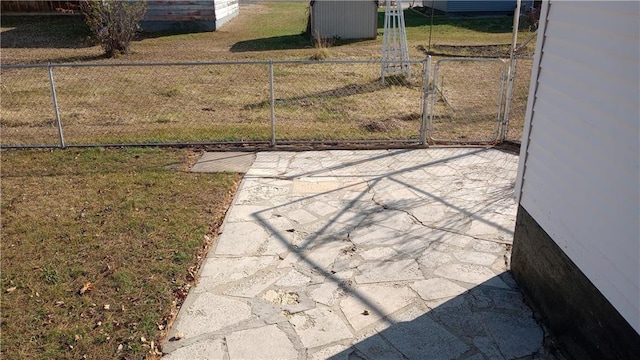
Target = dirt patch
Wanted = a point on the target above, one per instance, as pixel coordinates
(281, 297)
(380, 126)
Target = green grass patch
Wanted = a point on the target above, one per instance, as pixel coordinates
(131, 222)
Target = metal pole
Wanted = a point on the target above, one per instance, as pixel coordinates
(273, 104)
(430, 28)
(425, 99)
(511, 72)
(55, 104)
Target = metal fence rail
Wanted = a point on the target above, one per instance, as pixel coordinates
(253, 102)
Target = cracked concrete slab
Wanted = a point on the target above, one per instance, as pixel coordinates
(224, 161)
(319, 326)
(363, 255)
(267, 342)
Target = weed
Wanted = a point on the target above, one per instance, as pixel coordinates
(321, 47)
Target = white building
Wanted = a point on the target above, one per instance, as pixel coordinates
(577, 240)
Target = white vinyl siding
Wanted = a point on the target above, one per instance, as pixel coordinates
(226, 10)
(581, 176)
(218, 11)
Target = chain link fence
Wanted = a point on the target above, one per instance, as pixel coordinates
(222, 102)
(260, 102)
(516, 111)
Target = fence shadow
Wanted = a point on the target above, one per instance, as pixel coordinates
(337, 93)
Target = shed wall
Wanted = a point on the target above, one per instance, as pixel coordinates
(344, 19)
(195, 15)
(580, 173)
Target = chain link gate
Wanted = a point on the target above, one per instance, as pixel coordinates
(466, 100)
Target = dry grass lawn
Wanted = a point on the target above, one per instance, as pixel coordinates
(99, 247)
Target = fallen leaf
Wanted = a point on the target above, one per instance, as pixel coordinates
(181, 294)
(11, 289)
(86, 287)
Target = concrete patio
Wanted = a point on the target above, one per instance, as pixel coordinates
(386, 254)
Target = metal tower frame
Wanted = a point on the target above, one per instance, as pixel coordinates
(395, 51)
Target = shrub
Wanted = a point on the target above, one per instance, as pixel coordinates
(113, 22)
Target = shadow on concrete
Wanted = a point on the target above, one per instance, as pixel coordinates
(488, 320)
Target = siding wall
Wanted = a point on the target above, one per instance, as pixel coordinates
(161, 14)
(580, 170)
(196, 15)
(180, 11)
(225, 11)
(344, 19)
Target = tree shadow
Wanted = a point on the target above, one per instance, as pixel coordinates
(62, 32)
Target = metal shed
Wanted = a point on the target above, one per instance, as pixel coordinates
(576, 248)
(471, 7)
(344, 19)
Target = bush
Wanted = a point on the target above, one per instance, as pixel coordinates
(113, 22)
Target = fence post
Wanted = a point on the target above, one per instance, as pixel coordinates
(425, 99)
(273, 104)
(55, 104)
(511, 75)
(512, 69)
